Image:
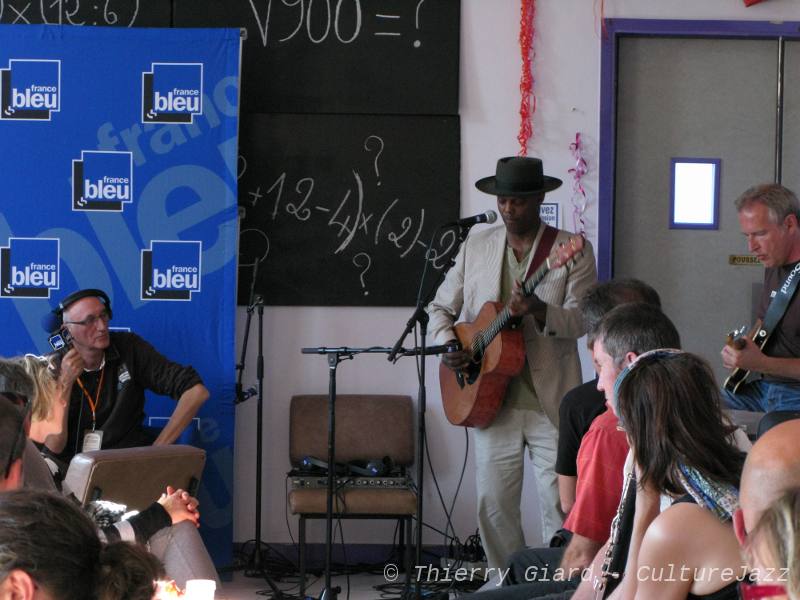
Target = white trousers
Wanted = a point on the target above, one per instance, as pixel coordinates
(499, 457)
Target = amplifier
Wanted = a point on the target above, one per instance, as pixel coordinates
(321, 481)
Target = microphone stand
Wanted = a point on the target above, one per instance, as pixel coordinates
(420, 316)
(335, 356)
(256, 563)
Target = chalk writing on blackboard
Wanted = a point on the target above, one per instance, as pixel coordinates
(345, 210)
(323, 20)
(350, 217)
(70, 12)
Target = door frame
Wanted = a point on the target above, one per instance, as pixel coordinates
(614, 31)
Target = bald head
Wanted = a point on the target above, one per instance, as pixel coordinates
(771, 469)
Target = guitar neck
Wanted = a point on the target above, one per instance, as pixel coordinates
(483, 339)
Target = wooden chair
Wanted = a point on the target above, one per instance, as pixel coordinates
(368, 427)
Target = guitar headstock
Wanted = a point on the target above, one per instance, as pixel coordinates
(566, 251)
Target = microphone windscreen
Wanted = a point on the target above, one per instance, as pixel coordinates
(491, 216)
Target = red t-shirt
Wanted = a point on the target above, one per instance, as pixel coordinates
(601, 459)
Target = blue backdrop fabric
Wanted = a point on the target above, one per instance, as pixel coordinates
(118, 152)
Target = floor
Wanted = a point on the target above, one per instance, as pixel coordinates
(358, 586)
(361, 588)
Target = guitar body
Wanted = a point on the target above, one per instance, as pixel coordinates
(738, 376)
(475, 401)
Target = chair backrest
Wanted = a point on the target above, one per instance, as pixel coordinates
(368, 426)
(36, 474)
(135, 477)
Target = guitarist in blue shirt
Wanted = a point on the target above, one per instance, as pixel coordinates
(488, 268)
(769, 217)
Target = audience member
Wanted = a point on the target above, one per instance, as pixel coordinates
(772, 470)
(169, 525)
(582, 404)
(772, 549)
(683, 447)
(50, 549)
(15, 387)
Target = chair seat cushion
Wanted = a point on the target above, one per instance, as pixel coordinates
(355, 501)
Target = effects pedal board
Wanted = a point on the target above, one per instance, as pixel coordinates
(306, 481)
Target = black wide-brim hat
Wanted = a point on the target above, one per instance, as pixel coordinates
(518, 176)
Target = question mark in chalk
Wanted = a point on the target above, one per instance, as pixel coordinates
(356, 262)
(377, 155)
(417, 43)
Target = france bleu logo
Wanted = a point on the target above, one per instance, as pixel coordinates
(30, 90)
(29, 267)
(102, 180)
(172, 93)
(171, 270)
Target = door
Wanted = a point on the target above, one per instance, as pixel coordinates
(703, 98)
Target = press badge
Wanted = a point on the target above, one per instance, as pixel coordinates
(92, 440)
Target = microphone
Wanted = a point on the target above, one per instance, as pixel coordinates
(488, 217)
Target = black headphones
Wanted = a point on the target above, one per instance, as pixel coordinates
(55, 319)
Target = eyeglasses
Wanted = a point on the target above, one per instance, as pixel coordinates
(91, 320)
(22, 402)
(754, 591)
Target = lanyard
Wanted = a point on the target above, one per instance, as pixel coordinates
(93, 403)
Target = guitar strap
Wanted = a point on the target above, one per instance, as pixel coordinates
(543, 249)
(778, 305)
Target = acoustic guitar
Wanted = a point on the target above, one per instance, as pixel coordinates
(759, 335)
(473, 396)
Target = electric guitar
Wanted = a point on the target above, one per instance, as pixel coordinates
(473, 396)
(759, 335)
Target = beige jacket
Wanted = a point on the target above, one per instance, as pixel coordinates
(552, 352)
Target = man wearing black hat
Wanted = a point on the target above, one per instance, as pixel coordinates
(489, 267)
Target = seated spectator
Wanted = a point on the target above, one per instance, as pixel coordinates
(582, 404)
(669, 404)
(169, 525)
(50, 549)
(772, 550)
(772, 469)
(105, 374)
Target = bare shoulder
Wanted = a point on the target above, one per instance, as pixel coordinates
(680, 522)
(694, 540)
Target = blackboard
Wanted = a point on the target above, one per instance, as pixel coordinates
(118, 13)
(338, 209)
(342, 56)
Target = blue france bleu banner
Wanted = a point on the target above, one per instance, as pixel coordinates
(118, 154)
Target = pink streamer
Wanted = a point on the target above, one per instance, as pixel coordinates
(578, 191)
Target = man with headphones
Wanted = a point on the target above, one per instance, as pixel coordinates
(106, 373)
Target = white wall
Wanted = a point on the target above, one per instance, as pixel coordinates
(567, 75)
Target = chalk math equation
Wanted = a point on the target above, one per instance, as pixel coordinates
(69, 12)
(360, 224)
(340, 21)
